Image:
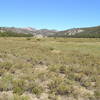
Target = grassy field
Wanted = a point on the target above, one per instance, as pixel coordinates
(49, 69)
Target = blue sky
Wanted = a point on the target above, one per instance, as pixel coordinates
(51, 14)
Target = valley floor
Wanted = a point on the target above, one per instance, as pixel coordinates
(49, 69)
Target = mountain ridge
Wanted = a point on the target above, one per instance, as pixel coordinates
(74, 32)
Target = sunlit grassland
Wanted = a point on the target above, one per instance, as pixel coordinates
(50, 68)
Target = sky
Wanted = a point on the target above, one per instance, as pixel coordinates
(50, 14)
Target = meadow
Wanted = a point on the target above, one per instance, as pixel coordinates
(49, 68)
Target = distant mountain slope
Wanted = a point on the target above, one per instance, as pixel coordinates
(90, 32)
(80, 32)
(29, 30)
(75, 32)
(18, 30)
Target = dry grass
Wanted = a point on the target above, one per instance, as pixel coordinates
(49, 69)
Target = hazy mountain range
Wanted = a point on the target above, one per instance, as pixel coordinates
(74, 32)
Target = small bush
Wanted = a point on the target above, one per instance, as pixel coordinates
(6, 65)
(59, 86)
(18, 86)
(18, 90)
(51, 48)
(18, 97)
(28, 38)
(97, 94)
(38, 39)
(62, 69)
(37, 90)
(63, 89)
(6, 82)
(54, 68)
